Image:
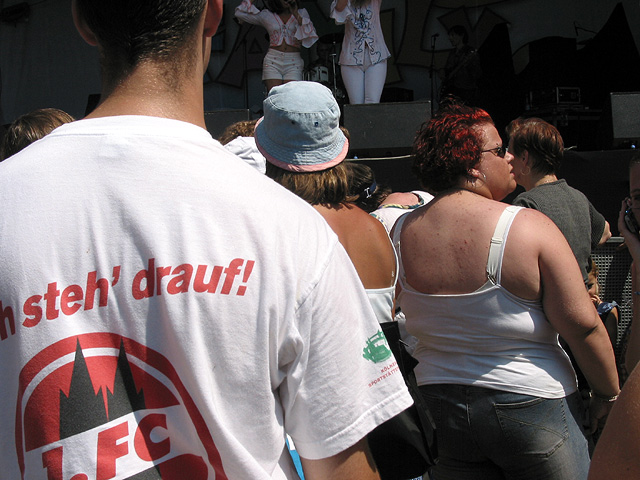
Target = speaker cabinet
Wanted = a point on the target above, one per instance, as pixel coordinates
(218, 120)
(614, 278)
(384, 129)
(625, 116)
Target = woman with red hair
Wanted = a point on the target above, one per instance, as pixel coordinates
(486, 288)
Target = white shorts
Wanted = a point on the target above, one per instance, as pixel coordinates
(282, 65)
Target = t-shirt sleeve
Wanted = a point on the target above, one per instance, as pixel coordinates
(344, 380)
(597, 226)
(524, 201)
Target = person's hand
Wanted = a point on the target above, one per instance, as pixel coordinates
(292, 5)
(598, 411)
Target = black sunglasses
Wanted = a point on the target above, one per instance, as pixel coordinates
(500, 151)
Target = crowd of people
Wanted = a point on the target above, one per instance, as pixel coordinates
(168, 308)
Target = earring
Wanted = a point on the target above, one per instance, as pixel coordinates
(475, 179)
(522, 172)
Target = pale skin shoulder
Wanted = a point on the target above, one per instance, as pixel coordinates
(366, 242)
(401, 198)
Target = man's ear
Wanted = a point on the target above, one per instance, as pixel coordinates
(212, 18)
(82, 27)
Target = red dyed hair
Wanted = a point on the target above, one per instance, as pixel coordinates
(448, 146)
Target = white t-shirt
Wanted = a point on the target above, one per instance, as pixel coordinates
(153, 312)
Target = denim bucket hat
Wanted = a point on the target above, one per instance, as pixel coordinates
(300, 129)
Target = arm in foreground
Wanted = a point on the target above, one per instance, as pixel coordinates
(354, 463)
(571, 312)
(616, 454)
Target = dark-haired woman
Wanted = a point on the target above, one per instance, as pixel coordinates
(537, 150)
(364, 54)
(290, 28)
(486, 288)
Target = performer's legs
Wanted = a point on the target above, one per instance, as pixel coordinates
(374, 78)
(353, 78)
(281, 67)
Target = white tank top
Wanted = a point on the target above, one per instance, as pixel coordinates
(381, 299)
(488, 338)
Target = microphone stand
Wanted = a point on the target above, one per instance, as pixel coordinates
(333, 65)
(434, 37)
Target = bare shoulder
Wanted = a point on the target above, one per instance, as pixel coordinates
(401, 198)
(354, 225)
(537, 227)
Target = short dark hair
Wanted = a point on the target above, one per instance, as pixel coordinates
(30, 127)
(448, 146)
(461, 32)
(364, 190)
(277, 6)
(133, 31)
(634, 160)
(541, 139)
(325, 187)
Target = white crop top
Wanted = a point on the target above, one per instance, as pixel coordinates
(488, 338)
(291, 32)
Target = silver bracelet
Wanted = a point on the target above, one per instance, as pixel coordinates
(603, 398)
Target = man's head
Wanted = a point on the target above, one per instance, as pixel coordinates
(131, 32)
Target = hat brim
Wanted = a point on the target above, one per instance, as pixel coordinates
(300, 160)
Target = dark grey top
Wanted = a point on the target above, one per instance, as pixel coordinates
(581, 224)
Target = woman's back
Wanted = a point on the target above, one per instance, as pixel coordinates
(445, 246)
(366, 242)
(486, 336)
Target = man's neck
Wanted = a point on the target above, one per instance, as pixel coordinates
(146, 92)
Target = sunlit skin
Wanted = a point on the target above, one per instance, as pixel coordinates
(500, 178)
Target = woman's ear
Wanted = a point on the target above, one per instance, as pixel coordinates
(82, 27)
(525, 158)
(475, 174)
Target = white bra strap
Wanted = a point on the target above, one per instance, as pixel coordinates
(397, 229)
(498, 241)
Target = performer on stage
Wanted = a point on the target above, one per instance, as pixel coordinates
(363, 60)
(462, 73)
(290, 28)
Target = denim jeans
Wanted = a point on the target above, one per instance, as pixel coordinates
(492, 434)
